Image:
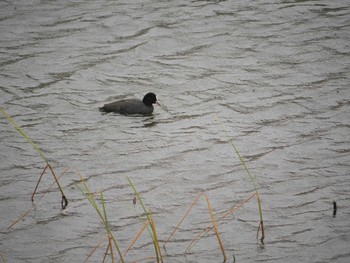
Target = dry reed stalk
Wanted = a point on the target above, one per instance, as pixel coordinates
(136, 238)
(183, 218)
(95, 248)
(209, 228)
(22, 217)
(261, 225)
(36, 187)
(215, 227)
(213, 221)
(2, 256)
(105, 254)
(110, 247)
(64, 201)
(235, 208)
(155, 236)
(116, 245)
(36, 204)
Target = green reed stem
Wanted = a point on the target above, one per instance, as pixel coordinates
(103, 215)
(24, 134)
(152, 232)
(253, 180)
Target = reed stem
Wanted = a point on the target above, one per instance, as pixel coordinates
(103, 216)
(148, 218)
(253, 180)
(215, 227)
(64, 201)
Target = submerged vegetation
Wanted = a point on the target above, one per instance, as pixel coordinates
(113, 249)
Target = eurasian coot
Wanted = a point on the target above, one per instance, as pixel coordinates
(132, 106)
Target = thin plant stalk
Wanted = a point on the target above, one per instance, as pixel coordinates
(107, 227)
(183, 218)
(138, 196)
(21, 217)
(210, 227)
(253, 180)
(155, 236)
(106, 252)
(95, 248)
(111, 248)
(105, 214)
(103, 217)
(148, 218)
(213, 222)
(216, 228)
(36, 204)
(18, 128)
(2, 257)
(36, 187)
(64, 201)
(136, 237)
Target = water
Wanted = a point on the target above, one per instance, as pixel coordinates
(271, 76)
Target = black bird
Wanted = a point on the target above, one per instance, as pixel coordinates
(132, 106)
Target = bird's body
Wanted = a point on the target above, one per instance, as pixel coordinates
(129, 106)
(132, 106)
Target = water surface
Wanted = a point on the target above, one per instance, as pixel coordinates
(271, 76)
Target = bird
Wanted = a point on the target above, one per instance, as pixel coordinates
(132, 106)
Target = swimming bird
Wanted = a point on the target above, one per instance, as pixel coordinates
(132, 106)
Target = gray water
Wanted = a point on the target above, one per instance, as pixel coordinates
(270, 76)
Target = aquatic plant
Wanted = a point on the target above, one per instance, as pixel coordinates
(147, 218)
(103, 215)
(253, 181)
(152, 232)
(210, 227)
(36, 203)
(148, 223)
(64, 201)
(3, 257)
(214, 223)
(255, 185)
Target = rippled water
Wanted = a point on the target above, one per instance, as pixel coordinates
(272, 76)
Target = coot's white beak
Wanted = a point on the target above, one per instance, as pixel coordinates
(161, 105)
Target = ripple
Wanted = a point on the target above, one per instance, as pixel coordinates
(274, 74)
